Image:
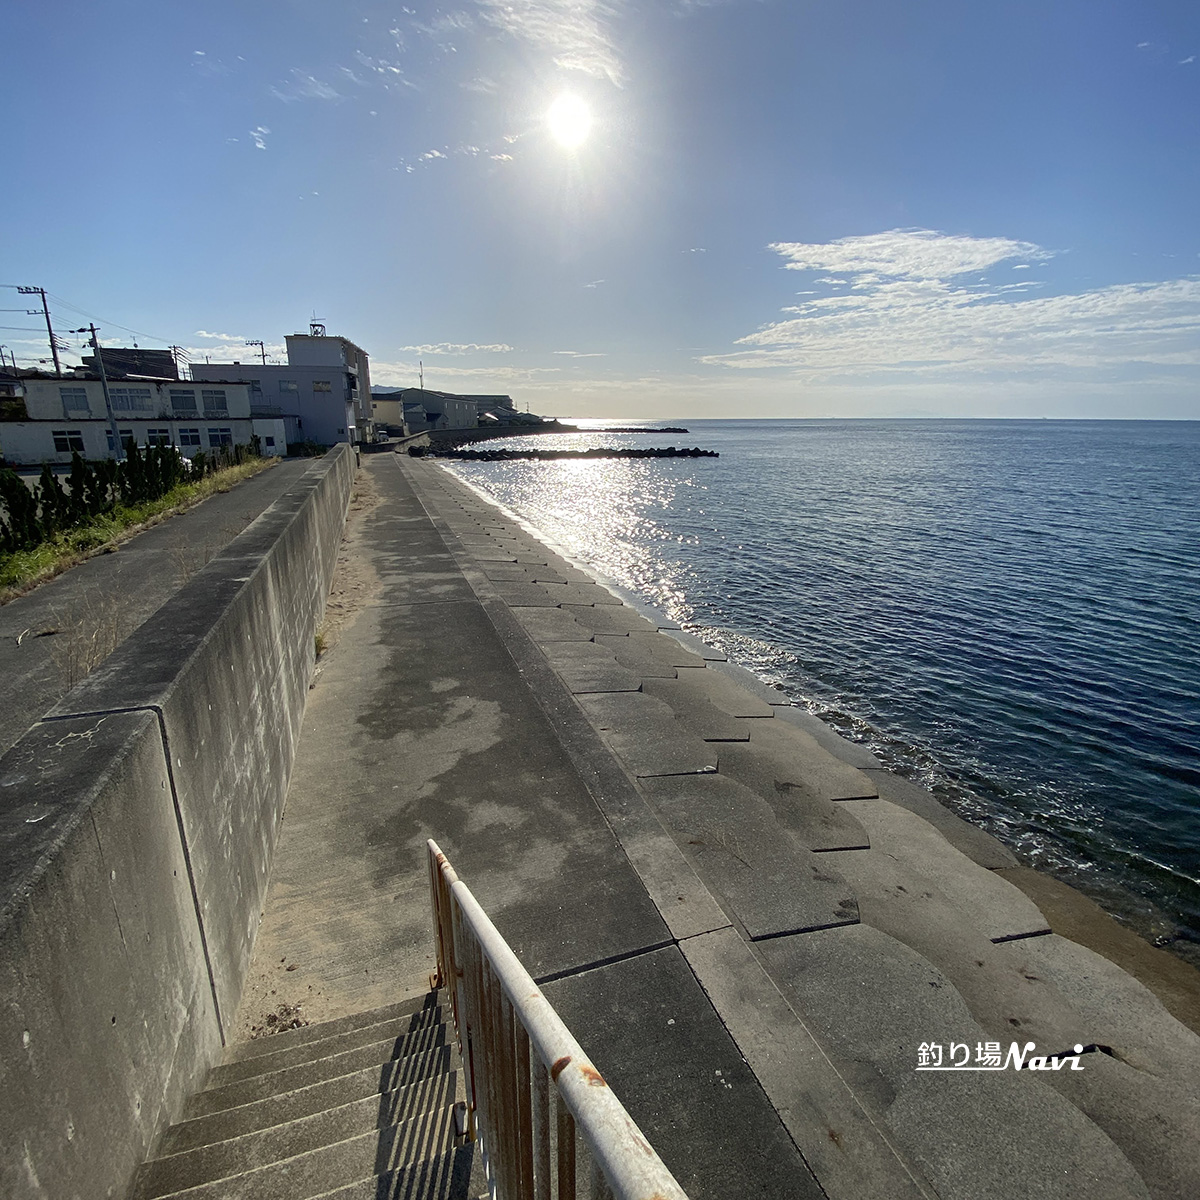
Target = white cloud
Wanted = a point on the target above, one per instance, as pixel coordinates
(248, 355)
(1191, 58)
(907, 311)
(905, 253)
(460, 348)
(574, 33)
(405, 374)
(578, 354)
(218, 337)
(595, 283)
(259, 134)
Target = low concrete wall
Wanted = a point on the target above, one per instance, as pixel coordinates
(137, 826)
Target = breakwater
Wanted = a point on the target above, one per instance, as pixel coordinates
(596, 452)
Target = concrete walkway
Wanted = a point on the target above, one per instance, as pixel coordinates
(749, 925)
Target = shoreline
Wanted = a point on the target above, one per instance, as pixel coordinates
(1172, 977)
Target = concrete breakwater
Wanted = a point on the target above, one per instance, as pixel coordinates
(593, 452)
(137, 825)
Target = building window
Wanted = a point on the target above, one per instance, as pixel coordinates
(214, 401)
(269, 443)
(66, 440)
(183, 401)
(130, 399)
(220, 437)
(158, 437)
(256, 387)
(74, 399)
(322, 385)
(126, 436)
(289, 387)
(189, 437)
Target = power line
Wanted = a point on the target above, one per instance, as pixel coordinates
(154, 337)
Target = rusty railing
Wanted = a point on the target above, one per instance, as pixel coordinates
(547, 1123)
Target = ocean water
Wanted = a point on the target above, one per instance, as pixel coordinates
(1006, 611)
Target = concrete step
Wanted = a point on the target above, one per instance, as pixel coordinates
(417, 1074)
(399, 1029)
(324, 1029)
(421, 1149)
(386, 1057)
(458, 1175)
(235, 1156)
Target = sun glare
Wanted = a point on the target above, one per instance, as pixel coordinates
(570, 121)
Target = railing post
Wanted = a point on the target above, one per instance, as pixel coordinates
(566, 1151)
(541, 1130)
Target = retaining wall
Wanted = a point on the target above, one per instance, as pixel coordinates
(137, 826)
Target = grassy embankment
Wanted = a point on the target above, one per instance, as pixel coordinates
(25, 569)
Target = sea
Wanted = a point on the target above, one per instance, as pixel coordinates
(1007, 612)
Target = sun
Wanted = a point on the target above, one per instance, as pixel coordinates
(570, 121)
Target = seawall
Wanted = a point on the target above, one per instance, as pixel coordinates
(137, 825)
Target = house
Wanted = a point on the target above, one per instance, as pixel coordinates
(323, 394)
(422, 409)
(47, 418)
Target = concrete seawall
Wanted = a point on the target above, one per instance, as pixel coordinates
(137, 826)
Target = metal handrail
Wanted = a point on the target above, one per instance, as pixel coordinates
(514, 1046)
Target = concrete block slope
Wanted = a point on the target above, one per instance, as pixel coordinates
(872, 1002)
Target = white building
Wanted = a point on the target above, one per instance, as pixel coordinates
(45, 418)
(323, 394)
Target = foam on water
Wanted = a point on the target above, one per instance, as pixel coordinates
(1007, 611)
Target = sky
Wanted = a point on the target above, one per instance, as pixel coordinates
(627, 208)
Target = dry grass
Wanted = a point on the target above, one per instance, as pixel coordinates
(86, 633)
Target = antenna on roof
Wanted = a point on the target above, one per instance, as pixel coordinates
(316, 329)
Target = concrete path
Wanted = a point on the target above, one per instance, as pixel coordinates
(750, 926)
(53, 636)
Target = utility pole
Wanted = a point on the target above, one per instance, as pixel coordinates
(112, 420)
(36, 291)
(262, 350)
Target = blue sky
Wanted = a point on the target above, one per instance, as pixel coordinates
(782, 207)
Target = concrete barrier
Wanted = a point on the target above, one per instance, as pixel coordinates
(137, 826)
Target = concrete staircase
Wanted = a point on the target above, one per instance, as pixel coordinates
(362, 1107)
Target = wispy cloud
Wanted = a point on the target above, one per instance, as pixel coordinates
(259, 134)
(575, 33)
(301, 86)
(579, 354)
(459, 348)
(466, 151)
(595, 283)
(908, 310)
